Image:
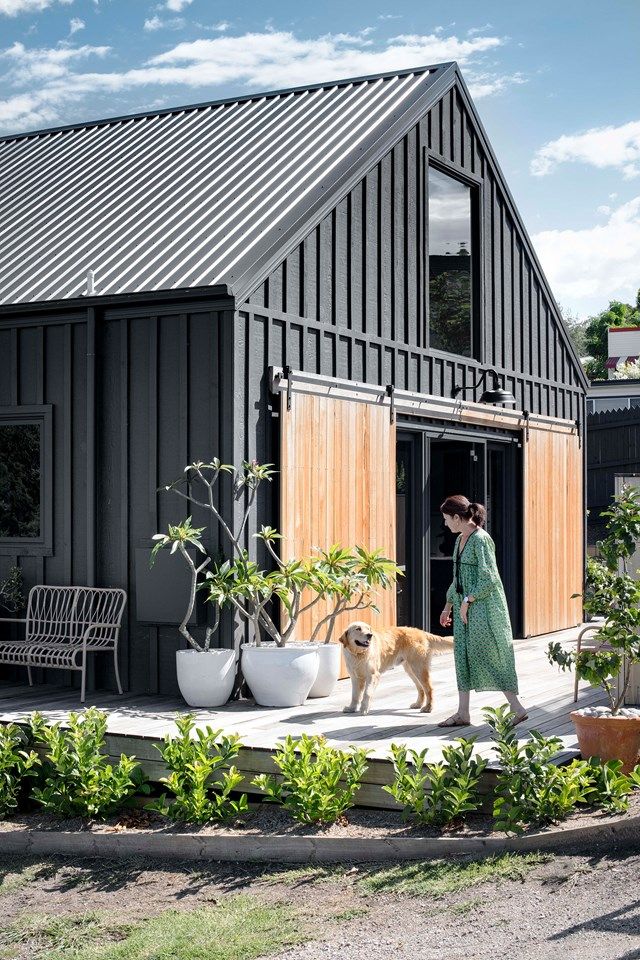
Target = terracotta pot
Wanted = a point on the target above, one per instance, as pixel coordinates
(609, 738)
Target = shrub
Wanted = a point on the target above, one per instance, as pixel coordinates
(194, 761)
(530, 788)
(78, 779)
(319, 782)
(16, 763)
(436, 793)
(610, 788)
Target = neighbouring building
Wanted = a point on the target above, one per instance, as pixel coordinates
(326, 278)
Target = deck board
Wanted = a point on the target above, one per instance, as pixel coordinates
(137, 723)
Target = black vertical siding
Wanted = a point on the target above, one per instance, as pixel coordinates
(362, 271)
(156, 381)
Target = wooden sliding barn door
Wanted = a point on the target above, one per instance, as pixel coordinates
(338, 485)
(553, 529)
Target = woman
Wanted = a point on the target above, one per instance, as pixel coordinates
(483, 642)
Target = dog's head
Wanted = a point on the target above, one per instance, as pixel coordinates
(357, 637)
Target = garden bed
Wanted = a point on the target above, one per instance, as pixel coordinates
(267, 833)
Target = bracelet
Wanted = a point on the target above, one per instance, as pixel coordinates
(466, 600)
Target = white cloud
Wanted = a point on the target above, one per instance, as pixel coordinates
(76, 24)
(255, 61)
(44, 64)
(12, 8)
(596, 264)
(156, 23)
(177, 6)
(474, 31)
(222, 26)
(600, 147)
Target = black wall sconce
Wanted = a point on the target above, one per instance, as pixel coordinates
(496, 394)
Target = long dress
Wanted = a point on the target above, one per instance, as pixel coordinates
(483, 648)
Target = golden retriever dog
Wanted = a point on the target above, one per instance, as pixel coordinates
(369, 652)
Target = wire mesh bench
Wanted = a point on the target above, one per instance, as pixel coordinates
(63, 625)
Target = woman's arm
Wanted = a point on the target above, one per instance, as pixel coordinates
(488, 576)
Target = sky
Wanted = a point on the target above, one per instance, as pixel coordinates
(557, 85)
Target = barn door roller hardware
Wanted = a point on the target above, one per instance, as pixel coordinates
(391, 394)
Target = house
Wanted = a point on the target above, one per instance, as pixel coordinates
(329, 279)
(623, 346)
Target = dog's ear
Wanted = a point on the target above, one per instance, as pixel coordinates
(343, 638)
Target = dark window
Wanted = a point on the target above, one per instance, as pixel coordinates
(20, 476)
(450, 264)
(26, 481)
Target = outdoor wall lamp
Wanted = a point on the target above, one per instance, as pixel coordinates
(497, 393)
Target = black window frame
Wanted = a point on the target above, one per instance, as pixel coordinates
(475, 184)
(42, 416)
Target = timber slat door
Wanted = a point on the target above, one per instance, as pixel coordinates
(338, 485)
(553, 529)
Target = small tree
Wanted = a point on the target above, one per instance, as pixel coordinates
(12, 591)
(611, 591)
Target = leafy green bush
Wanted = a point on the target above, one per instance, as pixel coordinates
(610, 788)
(436, 793)
(77, 778)
(16, 763)
(319, 782)
(194, 761)
(531, 789)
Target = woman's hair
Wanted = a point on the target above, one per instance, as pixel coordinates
(458, 505)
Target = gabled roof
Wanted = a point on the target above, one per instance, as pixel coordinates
(191, 197)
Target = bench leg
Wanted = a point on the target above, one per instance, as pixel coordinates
(115, 665)
(29, 675)
(84, 677)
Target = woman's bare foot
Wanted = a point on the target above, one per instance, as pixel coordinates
(455, 721)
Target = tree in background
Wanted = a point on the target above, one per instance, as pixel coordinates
(576, 329)
(596, 334)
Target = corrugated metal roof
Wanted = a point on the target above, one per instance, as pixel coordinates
(190, 197)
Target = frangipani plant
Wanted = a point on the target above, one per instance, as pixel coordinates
(346, 578)
(178, 537)
(611, 592)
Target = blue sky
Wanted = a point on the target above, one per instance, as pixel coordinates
(557, 85)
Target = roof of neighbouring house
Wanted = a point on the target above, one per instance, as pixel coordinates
(191, 197)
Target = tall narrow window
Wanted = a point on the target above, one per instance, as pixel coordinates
(450, 264)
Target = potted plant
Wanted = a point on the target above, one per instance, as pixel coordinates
(279, 674)
(205, 675)
(610, 733)
(285, 678)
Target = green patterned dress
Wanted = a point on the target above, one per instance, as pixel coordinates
(483, 648)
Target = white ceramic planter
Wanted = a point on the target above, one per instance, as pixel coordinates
(328, 670)
(206, 679)
(280, 676)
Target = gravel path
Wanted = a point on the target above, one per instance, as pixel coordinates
(572, 907)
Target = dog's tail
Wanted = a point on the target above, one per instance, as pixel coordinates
(440, 644)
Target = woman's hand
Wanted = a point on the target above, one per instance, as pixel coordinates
(464, 612)
(445, 616)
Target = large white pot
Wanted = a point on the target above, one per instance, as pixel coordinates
(280, 676)
(206, 679)
(328, 670)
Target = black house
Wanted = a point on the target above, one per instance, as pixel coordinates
(305, 277)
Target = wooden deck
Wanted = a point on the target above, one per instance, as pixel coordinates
(137, 723)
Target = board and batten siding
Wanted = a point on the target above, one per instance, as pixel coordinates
(351, 296)
(135, 395)
(338, 477)
(553, 473)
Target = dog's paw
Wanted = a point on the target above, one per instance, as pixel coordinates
(416, 706)
(349, 709)
(426, 709)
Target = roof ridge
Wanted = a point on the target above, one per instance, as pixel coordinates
(259, 95)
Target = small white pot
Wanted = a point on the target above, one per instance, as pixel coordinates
(280, 676)
(328, 670)
(206, 678)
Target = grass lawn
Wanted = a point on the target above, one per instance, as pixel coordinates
(239, 928)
